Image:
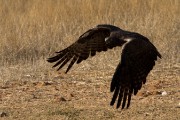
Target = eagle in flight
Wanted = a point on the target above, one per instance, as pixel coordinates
(137, 58)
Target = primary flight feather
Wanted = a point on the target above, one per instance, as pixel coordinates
(137, 58)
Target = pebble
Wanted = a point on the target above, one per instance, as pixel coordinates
(62, 99)
(178, 106)
(164, 93)
(3, 114)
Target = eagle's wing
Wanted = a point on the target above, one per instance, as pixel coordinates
(88, 43)
(137, 60)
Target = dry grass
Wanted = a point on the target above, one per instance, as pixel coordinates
(31, 30)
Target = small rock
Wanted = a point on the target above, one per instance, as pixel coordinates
(146, 93)
(27, 75)
(158, 92)
(164, 93)
(4, 87)
(147, 114)
(48, 82)
(34, 96)
(62, 99)
(178, 106)
(81, 83)
(42, 83)
(71, 95)
(3, 114)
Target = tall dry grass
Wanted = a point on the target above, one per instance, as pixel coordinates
(31, 30)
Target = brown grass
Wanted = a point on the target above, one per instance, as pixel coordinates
(32, 30)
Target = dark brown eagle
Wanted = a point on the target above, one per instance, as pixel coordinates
(137, 58)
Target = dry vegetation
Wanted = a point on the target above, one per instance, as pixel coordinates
(31, 30)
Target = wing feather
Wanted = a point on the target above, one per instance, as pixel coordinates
(125, 97)
(60, 61)
(65, 61)
(137, 60)
(88, 43)
(72, 62)
(120, 97)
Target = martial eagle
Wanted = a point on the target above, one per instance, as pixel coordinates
(137, 58)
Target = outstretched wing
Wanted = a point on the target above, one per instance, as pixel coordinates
(137, 60)
(88, 43)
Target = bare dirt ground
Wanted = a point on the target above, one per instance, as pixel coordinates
(45, 94)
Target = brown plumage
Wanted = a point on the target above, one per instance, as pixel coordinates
(137, 59)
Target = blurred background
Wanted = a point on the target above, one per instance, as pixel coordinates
(31, 30)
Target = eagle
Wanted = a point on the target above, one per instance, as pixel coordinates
(138, 57)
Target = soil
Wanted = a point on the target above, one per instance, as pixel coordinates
(45, 95)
